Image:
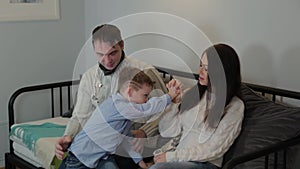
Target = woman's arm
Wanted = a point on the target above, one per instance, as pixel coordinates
(220, 141)
(169, 125)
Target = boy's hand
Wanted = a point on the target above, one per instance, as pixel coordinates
(175, 90)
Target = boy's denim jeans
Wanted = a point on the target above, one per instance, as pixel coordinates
(71, 162)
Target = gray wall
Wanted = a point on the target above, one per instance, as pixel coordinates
(35, 52)
(265, 33)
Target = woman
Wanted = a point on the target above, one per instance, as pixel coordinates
(209, 117)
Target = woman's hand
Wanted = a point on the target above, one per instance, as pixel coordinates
(144, 165)
(177, 99)
(159, 158)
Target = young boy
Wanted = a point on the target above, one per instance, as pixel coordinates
(109, 124)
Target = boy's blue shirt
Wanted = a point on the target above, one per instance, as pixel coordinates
(109, 125)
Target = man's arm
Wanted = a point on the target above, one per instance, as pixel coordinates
(81, 112)
(83, 107)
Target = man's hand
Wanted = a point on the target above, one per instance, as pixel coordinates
(159, 158)
(61, 146)
(138, 140)
(138, 133)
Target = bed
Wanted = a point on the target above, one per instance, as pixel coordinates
(59, 95)
(261, 144)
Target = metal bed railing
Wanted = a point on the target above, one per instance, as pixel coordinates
(265, 152)
(51, 87)
(274, 92)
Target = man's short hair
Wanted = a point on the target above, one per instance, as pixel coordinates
(107, 33)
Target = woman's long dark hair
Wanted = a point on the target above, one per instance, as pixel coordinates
(223, 66)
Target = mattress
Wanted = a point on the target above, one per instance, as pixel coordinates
(44, 152)
(23, 152)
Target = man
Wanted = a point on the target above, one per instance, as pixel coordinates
(101, 81)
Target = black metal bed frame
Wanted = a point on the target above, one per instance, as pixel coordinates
(12, 161)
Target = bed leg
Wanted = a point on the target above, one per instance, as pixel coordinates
(8, 165)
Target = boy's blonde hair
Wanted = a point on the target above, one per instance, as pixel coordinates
(133, 77)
